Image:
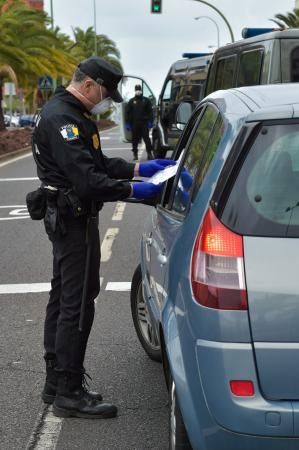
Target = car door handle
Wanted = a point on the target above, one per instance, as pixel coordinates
(162, 259)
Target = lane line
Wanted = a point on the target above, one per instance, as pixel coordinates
(19, 179)
(46, 431)
(121, 286)
(10, 161)
(119, 211)
(24, 288)
(106, 247)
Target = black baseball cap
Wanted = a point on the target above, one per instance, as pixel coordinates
(103, 73)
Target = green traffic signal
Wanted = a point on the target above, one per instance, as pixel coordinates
(156, 6)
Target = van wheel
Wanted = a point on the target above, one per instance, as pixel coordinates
(141, 319)
(158, 151)
(178, 438)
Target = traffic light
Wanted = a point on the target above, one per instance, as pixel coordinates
(156, 6)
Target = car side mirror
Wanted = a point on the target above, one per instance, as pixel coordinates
(183, 114)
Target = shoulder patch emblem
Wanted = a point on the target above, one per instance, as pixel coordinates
(95, 141)
(69, 132)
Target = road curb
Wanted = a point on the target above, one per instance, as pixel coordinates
(11, 155)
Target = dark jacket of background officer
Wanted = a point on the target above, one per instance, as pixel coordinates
(78, 179)
(139, 118)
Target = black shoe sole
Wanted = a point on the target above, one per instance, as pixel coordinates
(62, 412)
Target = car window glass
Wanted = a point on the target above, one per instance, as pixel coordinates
(225, 71)
(178, 151)
(210, 151)
(250, 68)
(264, 200)
(167, 91)
(193, 159)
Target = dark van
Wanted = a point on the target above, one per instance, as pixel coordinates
(266, 58)
(184, 83)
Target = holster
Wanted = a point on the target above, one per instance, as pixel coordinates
(36, 204)
(54, 223)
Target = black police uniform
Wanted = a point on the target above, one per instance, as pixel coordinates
(138, 113)
(67, 150)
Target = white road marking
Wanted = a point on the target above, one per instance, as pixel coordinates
(14, 218)
(119, 211)
(24, 288)
(46, 431)
(45, 287)
(10, 161)
(13, 206)
(120, 286)
(105, 138)
(19, 179)
(115, 148)
(106, 247)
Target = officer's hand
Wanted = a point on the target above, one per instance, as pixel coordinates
(128, 126)
(149, 168)
(144, 189)
(149, 124)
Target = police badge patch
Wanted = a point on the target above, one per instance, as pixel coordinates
(95, 141)
(69, 132)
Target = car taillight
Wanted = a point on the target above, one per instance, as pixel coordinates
(217, 272)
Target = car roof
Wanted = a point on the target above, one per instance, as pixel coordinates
(259, 102)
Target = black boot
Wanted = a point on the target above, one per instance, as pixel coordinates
(135, 155)
(73, 401)
(50, 388)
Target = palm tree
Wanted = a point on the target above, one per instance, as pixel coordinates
(28, 47)
(290, 20)
(106, 48)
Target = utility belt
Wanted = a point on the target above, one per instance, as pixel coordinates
(54, 205)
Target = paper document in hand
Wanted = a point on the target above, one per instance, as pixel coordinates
(165, 174)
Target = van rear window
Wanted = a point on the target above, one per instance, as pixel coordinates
(250, 68)
(225, 73)
(264, 200)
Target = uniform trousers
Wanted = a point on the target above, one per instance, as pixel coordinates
(62, 338)
(140, 131)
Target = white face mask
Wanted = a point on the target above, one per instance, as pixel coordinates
(102, 107)
(138, 93)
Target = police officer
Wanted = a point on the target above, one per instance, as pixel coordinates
(139, 119)
(77, 179)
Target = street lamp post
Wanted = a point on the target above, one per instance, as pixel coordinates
(52, 17)
(222, 15)
(95, 27)
(214, 21)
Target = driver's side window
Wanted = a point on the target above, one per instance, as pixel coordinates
(201, 149)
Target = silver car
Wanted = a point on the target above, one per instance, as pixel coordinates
(216, 295)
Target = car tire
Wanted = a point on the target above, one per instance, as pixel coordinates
(140, 315)
(157, 149)
(178, 438)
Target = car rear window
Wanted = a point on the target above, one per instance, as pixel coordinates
(264, 200)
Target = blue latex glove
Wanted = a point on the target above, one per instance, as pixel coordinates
(145, 189)
(149, 124)
(149, 168)
(128, 126)
(186, 179)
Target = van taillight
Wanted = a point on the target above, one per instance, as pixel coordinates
(217, 272)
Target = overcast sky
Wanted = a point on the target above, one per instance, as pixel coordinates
(150, 43)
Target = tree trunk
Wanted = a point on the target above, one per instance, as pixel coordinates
(2, 124)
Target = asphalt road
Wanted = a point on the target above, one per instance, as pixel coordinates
(115, 360)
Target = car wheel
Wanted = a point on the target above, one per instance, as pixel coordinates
(141, 319)
(178, 438)
(158, 151)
